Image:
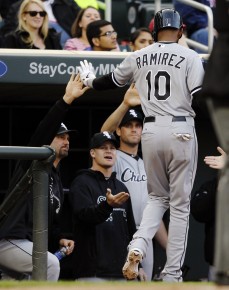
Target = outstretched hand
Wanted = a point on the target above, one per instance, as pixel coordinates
(216, 162)
(116, 200)
(86, 73)
(74, 89)
(132, 98)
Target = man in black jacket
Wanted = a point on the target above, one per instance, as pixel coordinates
(16, 242)
(103, 217)
(203, 208)
(203, 205)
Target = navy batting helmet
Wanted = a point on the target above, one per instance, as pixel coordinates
(166, 18)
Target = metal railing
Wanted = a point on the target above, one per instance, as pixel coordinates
(37, 177)
(208, 10)
(202, 7)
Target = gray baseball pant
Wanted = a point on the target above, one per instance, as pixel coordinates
(170, 162)
(16, 255)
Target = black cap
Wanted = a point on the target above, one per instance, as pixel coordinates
(99, 138)
(63, 129)
(132, 114)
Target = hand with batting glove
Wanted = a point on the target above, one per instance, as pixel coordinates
(86, 73)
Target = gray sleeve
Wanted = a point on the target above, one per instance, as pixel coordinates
(195, 74)
(123, 72)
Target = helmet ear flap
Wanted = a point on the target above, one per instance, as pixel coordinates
(155, 36)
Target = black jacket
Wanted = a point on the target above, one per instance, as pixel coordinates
(21, 225)
(203, 206)
(14, 40)
(102, 233)
(5, 6)
(65, 12)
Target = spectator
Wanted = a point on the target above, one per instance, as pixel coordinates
(16, 241)
(102, 214)
(195, 20)
(78, 31)
(102, 36)
(140, 38)
(61, 14)
(65, 12)
(33, 31)
(5, 6)
(53, 23)
(128, 123)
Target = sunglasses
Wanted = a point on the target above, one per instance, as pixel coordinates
(34, 13)
(109, 34)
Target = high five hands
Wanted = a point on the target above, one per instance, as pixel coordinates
(74, 89)
(86, 71)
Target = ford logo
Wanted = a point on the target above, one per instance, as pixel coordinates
(3, 68)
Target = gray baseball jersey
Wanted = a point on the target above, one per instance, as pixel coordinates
(159, 74)
(131, 172)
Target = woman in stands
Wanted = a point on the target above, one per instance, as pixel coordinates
(79, 40)
(33, 31)
(140, 38)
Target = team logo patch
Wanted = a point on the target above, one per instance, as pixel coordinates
(133, 113)
(100, 199)
(3, 68)
(106, 134)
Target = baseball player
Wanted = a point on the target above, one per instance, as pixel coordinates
(127, 121)
(167, 77)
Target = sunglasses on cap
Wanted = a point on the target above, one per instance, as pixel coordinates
(34, 13)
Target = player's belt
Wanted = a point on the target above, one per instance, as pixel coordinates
(174, 119)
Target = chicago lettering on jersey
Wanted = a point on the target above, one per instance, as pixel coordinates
(160, 59)
(129, 175)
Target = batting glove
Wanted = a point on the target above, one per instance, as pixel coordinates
(86, 73)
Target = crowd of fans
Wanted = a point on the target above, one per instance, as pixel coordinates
(63, 25)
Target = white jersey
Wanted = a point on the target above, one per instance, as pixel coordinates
(132, 173)
(165, 80)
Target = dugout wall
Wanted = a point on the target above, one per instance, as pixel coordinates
(30, 82)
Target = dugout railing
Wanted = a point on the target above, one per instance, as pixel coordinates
(36, 178)
(208, 10)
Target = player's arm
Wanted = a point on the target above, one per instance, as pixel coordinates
(89, 79)
(104, 83)
(118, 78)
(131, 99)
